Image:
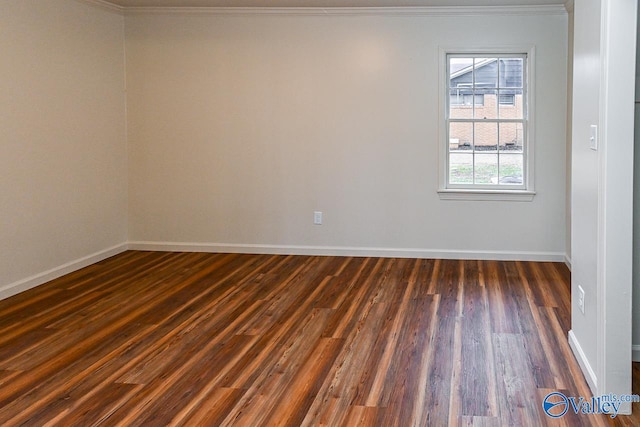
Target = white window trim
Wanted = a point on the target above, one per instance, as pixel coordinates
(502, 194)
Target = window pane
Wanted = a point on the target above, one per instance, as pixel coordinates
(510, 103)
(485, 104)
(511, 137)
(460, 104)
(460, 137)
(486, 168)
(511, 169)
(511, 72)
(506, 99)
(485, 73)
(486, 136)
(460, 72)
(486, 113)
(461, 168)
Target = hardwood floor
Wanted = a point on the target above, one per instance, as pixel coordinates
(148, 338)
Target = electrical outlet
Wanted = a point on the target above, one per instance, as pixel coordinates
(317, 218)
(581, 299)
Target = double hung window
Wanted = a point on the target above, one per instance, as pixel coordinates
(486, 123)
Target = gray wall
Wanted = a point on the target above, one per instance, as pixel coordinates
(63, 191)
(286, 114)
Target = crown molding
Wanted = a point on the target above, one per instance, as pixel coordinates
(104, 5)
(342, 11)
(354, 11)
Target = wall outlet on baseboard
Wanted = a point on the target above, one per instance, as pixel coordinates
(317, 218)
(581, 299)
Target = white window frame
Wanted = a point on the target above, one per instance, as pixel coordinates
(526, 192)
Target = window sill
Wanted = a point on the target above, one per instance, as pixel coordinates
(488, 195)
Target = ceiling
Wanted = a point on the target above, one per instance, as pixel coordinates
(328, 3)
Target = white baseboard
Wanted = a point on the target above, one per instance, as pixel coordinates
(588, 372)
(40, 278)
(345, 251)
(567, 261)
(635, 353)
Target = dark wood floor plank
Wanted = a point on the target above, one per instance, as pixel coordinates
(540, 282)
(212, 326)
(184, 339)
(518, 391)
(277, 303)
(104, 313)
(520, 291)
(449, 286)
(274, 384)
(474, 421)
(97, 409)
(345, 317)
(341, 280)
(291, 410)
(24, 342)
(212, 410)
(174, 391)
(379, 362)
(566, 374)
(560, 284)
(504, 316)
(363, 416)
(7, 377)
(338, 391)
(439, 371)
(425, 279)
(476, 388)
(403, 379)
(34, 295)
(82, 352)
(50, 314)
(54, 389)
(271, 341)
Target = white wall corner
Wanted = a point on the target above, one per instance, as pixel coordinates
(567, 261)
(46, 276)
(635, 353)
